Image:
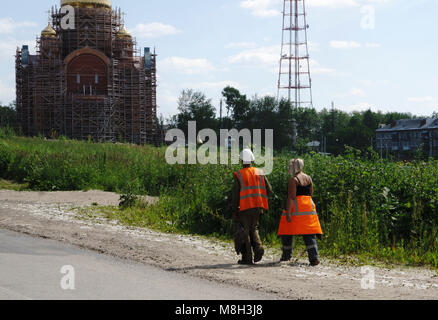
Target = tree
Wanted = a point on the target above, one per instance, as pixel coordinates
(238, 106)
(8, 116)
(371, 120)
(394, 116)
(308, 123)
(194, 106)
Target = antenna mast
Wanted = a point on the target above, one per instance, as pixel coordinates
(294, 75)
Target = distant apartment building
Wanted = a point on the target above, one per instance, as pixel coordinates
(404, 137)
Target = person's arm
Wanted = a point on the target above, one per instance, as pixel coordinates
(291, 198)
(268, 187)
(236, 198)
(311, 188)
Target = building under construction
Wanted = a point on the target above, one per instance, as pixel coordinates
(89, 80)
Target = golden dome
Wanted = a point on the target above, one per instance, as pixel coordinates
(48, 32)
(123, 33)
(87, 3)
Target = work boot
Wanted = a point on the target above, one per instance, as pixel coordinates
(245, 262)
(258, 256)
(314, 263)
(287, 256)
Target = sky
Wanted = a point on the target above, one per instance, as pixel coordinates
(365, 54)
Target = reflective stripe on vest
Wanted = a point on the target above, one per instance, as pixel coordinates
(297, 213)
(305, 220)
(253, 192)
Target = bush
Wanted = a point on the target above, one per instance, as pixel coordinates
(6, 157)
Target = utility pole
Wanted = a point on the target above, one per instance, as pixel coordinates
(333, 117)
(221, 104)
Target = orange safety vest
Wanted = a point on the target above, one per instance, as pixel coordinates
(253, 193)
(305, 219)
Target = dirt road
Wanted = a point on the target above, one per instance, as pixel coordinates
(50, 215)
(30, 269)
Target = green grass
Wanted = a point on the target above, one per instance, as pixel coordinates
(369, 208)
(10, 185)
(147, 217)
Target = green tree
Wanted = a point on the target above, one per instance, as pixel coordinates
(8, 115)
(194, 106)
(308, 123)
(238, 106)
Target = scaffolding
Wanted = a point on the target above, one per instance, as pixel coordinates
(125, 110)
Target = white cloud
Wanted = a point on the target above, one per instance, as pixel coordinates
(358, 92)
(271, 8)
(332, 3)
(344, 3)
(345, 44)
(9, 46)
(267, 56)
(240, 45)
(315, 68)
(186, 65)
(372, 45)
(421, 99)
(8, 49)
(352, 44)
(9, 25)
(7, 93)
(214, 85)
(154, 30)
(262, 8)
(313, 46)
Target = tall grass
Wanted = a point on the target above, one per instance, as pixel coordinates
(367, 206)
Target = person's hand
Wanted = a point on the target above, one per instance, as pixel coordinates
(288, 217)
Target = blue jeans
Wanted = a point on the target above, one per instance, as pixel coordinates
(309, 240)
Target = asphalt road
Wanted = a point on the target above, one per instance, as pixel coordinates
(30, 268)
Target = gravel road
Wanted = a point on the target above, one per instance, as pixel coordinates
(51, 216)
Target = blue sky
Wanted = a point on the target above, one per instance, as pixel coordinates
(208, 44)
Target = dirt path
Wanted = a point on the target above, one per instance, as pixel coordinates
(50, 215)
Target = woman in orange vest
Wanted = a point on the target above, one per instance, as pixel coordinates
(300, 217)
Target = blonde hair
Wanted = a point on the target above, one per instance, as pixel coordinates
(296, 166)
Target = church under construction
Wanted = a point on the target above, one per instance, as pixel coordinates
(89, 80)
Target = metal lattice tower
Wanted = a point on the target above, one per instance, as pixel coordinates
(294, 75)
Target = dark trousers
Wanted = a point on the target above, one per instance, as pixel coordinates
(311, 245)
(250, 221)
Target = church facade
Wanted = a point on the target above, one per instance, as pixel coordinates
(87, 80)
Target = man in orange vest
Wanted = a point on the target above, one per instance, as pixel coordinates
(250, 201)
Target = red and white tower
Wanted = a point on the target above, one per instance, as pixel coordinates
(294, 75)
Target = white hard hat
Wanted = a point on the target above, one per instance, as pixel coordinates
(247, 156)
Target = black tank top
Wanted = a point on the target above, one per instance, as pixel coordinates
(304, 190)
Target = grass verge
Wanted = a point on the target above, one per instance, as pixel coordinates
(11, 185)
(150, 217)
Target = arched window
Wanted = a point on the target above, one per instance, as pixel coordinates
(89, 71)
